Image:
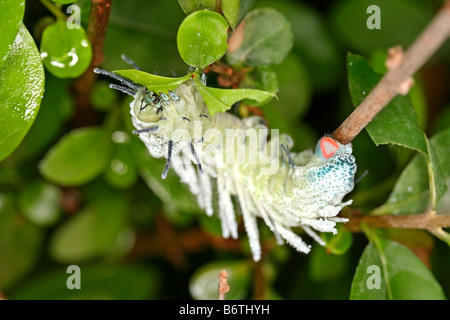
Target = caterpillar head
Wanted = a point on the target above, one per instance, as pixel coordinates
(147, 106)
(332, 172)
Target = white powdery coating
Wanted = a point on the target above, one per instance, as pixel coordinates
(306, 191)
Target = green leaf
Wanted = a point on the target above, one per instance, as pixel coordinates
(263, 38)
(204, 282)
(401, 275)
(78, 157)
(94, 231)
(190, 6)
(21, 90)
(235, 10)
(11, 15)
(66, 53)
(220, 100)
(261, 78)
(40, 202)
(20, 244)
(98, 282)
(202, 38)
(396, 123)
(153, 82)
(411, 193)
(54, 111)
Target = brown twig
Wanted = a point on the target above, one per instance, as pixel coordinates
(259, 281)
(228, 76)
(96, 33)
(223, 284)
(418, 221)
(393, 82)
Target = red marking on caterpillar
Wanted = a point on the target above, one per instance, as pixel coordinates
(328, 146)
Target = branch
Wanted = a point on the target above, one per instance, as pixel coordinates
(259, 281)
(394, 81)
(97, 27)
(418, 221)
(96, 33)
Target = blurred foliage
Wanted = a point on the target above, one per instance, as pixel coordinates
(86, 192)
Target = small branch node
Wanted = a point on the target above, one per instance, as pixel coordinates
(223, 285)
(394, 59)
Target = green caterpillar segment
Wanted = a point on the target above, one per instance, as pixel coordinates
(284, 188)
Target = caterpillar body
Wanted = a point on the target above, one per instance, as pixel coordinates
(285, 189)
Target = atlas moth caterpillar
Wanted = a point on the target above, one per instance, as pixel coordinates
(305, 190)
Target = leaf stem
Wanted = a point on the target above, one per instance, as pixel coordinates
(441, 234)
(53, 9)
(393, 82)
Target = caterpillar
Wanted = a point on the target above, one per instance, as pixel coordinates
(284, 188)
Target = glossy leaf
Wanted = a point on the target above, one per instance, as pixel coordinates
(98, 282)
(40, 202)
(151, 81)
(78, 157)
(400, 274)
(204, 281)
(263, 38)
(56, 107)
(398, 115)
(11, 15)
(66, 53)
(93, 232)
(235, 10)
(20, 244)
(190, 6)
(202, 38)
(411, 193)
(396, 123)
(21, 90)
(220, 100)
